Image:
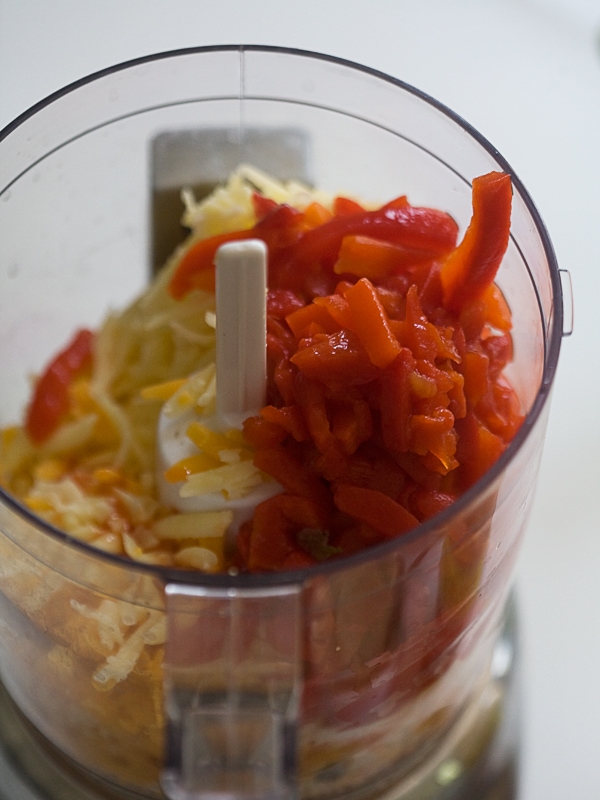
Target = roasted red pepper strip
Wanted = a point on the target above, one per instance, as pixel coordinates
(378, 510)
(337, 358)
(395, 402)
(272, 545)
(345, 205)
(374, 259)
(471, 268)
(371, 323)
(428, 230)
(296, 253)
(281, 226)
(478, 449)
(371, 375)
(262, 205)
(195, 270)
(51, 396)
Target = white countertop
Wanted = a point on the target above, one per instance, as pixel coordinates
(526, 73)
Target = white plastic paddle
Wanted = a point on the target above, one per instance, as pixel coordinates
(241, 291)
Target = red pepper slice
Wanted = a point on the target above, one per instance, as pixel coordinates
(352, 423)
(289, 418)
(371, 323)
(296, 254)
(471, 268)
(281, 302)
(51, 396)
(345, 205)
(337, 358)
(294, 476)
(428, 230)
(272, 544)
(395, 402)
(310, 319)
(371, 374)
(196, 268)
(279, 228)
(372, 258)
(262, 205)
(376, 509)
(478, 449)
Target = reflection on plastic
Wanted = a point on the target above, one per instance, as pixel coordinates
(232, 685)
(567, 299)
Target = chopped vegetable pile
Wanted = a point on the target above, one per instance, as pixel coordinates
(386, 348)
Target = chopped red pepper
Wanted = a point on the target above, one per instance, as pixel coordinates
(287, 417)
(429, 231)
(471, 268)
(262, 205)
(50, 400)
(310, 319)
(278, 229)
(351, 422)
(371, 323)
(376, 509)
(372, 258)
(273, 544)
(387, 386)
(345, 205)
(395, 402)
(337, 358)
(282, 302)
(478, 449)
(298, 250)
(291, 473)
(386, 395)
(316, 214)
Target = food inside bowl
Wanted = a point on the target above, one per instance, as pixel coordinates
(386, 397)
(387, 342)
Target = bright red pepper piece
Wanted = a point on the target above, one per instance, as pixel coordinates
(289, 418)
(376, 509)
(371, 323)
(384, 386)
(352, 423)
(478, 449)
(395, 402)
(372, 258)
(430, 231)
(50, 400)
(310, 319)
(273, 545)
(262, 205)
(337, 358)
(345, 205)
(471, 268)
(291, 473)
(281, 226)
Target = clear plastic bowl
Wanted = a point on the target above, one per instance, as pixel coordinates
(337, 681)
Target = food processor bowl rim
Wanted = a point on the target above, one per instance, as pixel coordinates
(554, 332)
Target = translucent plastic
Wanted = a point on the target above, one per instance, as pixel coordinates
(347, 677)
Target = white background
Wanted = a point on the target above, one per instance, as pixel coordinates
(526, 73)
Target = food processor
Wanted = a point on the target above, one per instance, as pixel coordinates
(388, 674)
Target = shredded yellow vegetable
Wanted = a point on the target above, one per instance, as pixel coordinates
(95, 477)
